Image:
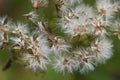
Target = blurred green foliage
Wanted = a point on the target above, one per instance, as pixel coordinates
(108, 71)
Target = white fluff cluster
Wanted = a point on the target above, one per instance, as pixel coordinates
(107, 8)
(35, 50)
(4, 29)
(64, 64)
(102, 50)
(84, 42)
(83, 20)
(85, 60)
(59, 46)
(38, 59)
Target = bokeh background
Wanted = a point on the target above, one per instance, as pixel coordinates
(15, 9)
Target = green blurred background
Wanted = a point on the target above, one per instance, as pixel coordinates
(15, 9)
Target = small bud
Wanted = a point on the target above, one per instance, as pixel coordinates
(30, 51)
(16, 50)
(31, 16)
(39, 3)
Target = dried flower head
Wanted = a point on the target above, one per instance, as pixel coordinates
(36, 62)
(64, 64)
(59, 46)
(102, 49)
